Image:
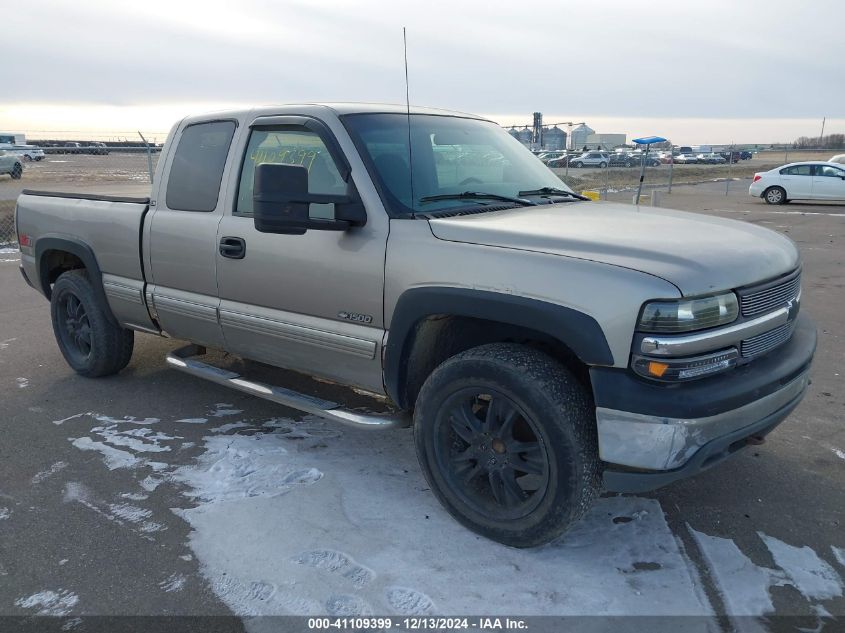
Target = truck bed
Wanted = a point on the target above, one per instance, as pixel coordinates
(102, 228)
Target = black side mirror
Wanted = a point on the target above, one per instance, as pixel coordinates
(281, 203)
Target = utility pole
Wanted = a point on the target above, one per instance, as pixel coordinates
(821, 136)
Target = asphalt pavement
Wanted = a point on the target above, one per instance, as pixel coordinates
(68, 520)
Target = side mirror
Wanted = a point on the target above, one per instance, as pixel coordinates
(281, 203)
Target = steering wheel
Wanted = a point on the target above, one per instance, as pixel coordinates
(467, 181)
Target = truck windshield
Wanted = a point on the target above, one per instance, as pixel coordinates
(448, 156)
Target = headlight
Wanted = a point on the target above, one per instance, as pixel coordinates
(686, 315)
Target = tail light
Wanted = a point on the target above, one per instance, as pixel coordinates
(756, 177)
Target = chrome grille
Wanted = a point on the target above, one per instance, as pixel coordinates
(766, 341)
(769, 299)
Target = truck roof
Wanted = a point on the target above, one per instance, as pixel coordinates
(339, 108)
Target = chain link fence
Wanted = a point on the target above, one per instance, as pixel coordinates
(662, 177)
(74, 161)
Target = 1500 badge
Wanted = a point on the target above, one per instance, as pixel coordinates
(354, 316)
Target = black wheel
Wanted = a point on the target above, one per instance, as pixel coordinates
(506, 439)
(17, 171)
(89, 339)
(577, 164)
(602, 165)
(775, 195)
(27, 158)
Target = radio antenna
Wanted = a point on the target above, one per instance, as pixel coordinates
(408, 112)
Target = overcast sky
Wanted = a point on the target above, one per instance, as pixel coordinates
(669, 66)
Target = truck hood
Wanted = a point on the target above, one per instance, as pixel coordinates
(697, 253)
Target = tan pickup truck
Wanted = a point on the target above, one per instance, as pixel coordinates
(547, 346)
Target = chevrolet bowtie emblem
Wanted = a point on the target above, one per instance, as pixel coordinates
(792, 307)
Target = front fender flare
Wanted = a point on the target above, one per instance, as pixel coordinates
(578, 331)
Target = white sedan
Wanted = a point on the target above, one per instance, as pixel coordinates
(811, 180)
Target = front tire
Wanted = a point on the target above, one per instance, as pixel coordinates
(506, 439)
(89, 339)
(17, 172)
(602, 165)
(577, 164)
(775, 195)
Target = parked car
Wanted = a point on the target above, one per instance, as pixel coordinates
(618, 159)
(70, 148)
(96, 148)
(686, 159)
(733, 157)
(711, 159)
(547, 156)
(746, 155)
(591, 159)
(10, 164)
(635, 159)
(561, 161)
(813, 180)
(839, 158)
(26, 152)
(546, 346)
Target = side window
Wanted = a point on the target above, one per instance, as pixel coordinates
(829, 171)
(290, 146)
(798, 170)
(197, 169)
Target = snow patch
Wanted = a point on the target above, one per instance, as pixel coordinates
(225, 428)
(54, 603)
(5, 513)
(5, 344)
(44, 474)
(839, 554)
(743, 585)
(192, 421)
(113, 457)
(22, 383)
(840, 454)
(808, 573)
(239, 467)
(176, 582)
(222, 409)
(349, 528)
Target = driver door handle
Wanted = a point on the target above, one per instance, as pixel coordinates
(233, 247)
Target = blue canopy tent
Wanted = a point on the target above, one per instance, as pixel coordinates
(648, 141)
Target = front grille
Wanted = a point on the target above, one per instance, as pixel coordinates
(771, 298)
(766, 341)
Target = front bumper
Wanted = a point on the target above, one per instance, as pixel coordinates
(651, 434)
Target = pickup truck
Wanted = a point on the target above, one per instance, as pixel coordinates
(545, 347)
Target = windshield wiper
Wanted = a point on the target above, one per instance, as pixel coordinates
(552, 191)
(477, 195)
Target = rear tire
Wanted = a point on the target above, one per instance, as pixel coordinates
(17, 172)
(506, 438)
(775, 195)
(577, 165)
(89, 339)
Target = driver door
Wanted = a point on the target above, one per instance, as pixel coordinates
(312, 302)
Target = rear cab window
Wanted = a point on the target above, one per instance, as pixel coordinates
(197, 168)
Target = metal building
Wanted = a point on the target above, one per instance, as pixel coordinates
(578, 137)
(554, 139)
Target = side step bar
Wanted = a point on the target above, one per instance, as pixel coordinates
(182, 360)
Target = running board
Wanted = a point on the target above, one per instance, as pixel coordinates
(182, 360)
